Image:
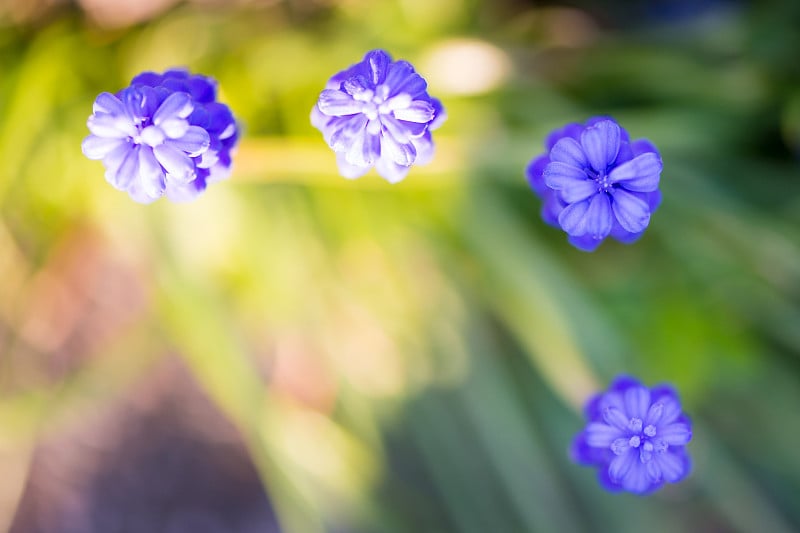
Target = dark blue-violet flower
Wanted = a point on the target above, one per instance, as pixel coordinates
(164, 134)
(378, 113)
(635, 436)
(594, 182)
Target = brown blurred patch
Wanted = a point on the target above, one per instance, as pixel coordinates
(299, 372)
(158, 458)
(86, 293)
(116, 14)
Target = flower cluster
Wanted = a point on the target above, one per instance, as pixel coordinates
(594, 182)
(378, 113)
(167, 134)
(636, 437)
(164, 134)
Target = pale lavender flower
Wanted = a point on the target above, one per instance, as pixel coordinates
(636, 437)
(378, 113)
(594, 182)
(164, 134)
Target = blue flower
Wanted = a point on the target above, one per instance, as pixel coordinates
(378, 113)
(635, 436)
(165, 133)
(594, 182)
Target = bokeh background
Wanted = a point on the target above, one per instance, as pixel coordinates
(297, 352)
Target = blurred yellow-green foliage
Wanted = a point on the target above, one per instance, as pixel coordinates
(302, 353)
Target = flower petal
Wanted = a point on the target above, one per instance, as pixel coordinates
(418, 111)
(641, 146)
(606, 482)
(338, 103)
(535, 174)
(552, 206)
(221, 121)
(194, 141)
(349, 171)
(654, 413)
(140, 102)
(599, 217)
(401, 131)
(572, 130)
(621, 384)
(147, 77)
(127, 171)
(592, 218)
(138, 193)
(177, 105)
(359, 88)
(580, 190)
(671, 405)
(202, 88)
(632, 212)
(184, 192)
(640, 174)
(653, 471)
(340, 130)
(571, 181)
(584, 243)
(622, 235)
(439, 114)
(425, 149)
(174, 128)
(378, 61)
(620, 445)
(675, 434)
(95, 147)
(208, 159)
(152, 175)
(601, 435)
(674, 466)
(619, 467)
(571, 218)
(637, 402)
(401, 78)
(401, 153)
(601, 144)
(568, 151)
(109, 104)
(111, 126)
(219, 172)
(391, 171)
(615, 417)
(560, 176)
(364, 149)
(582, 453)
(178, 165)
(637, 480)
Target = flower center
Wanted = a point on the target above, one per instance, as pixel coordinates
(151, 136)
(601, 178)
(643, 438)
(375, 103)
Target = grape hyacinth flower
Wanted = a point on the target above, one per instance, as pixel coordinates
(635, 436)
(378, 113)
(594, 182)
(164, 134)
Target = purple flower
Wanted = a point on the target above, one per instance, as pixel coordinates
(165, 133)
(378, 113)
(635, 436)
(594, 182)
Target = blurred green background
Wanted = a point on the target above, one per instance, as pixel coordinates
(297, 352)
